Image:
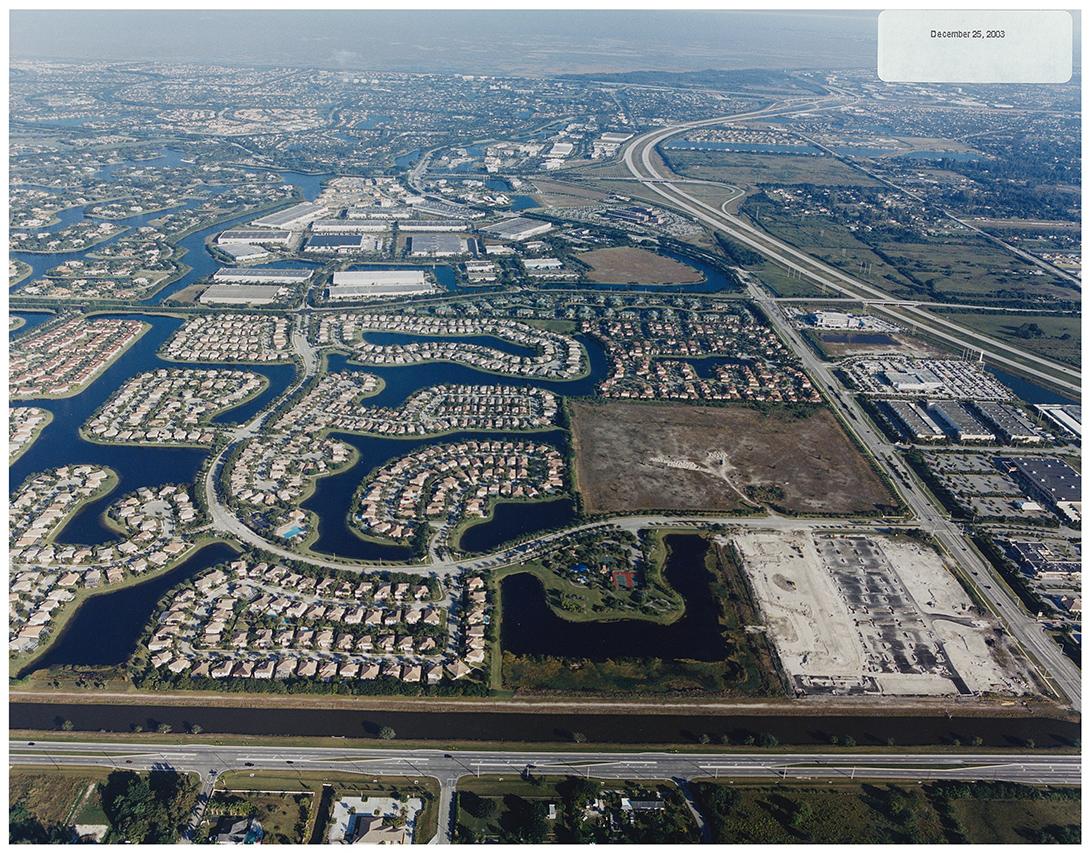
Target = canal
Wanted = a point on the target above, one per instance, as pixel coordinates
(545, 726)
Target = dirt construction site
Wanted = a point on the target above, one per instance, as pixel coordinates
(855, 614)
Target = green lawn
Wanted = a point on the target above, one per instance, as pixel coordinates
(753, 169)
(1051, 343)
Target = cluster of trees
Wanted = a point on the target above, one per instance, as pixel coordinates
(25, 828)
(149, 809)
(154, 679)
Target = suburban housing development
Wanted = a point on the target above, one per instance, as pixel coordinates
(621, 419)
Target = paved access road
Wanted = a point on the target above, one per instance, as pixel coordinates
(639, 161)
(212, 760)
(1055, 667)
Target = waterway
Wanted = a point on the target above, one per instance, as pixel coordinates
(546, 727)
(61, 443)
(518, 202)
(83, 642)
(31, 318)
(1028, 391)
(333, 497)
(530, 627)
(511, 520)
(842, 338)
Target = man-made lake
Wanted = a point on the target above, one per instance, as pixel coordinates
(849, 338)
(126, 611)
(61, 444)
(530, 627)
(511, 520)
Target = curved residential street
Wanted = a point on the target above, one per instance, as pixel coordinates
(1053, 666)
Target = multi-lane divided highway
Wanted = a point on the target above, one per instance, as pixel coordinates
(210, 761)
(1055, 668)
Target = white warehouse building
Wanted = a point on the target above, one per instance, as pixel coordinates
(363, 284)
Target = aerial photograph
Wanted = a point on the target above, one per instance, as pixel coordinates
(544, 426)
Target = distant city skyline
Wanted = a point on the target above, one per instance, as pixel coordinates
(466, 41)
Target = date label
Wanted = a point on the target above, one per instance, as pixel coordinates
(948, 46)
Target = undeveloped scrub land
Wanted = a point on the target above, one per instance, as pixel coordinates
(632, 457)
(619, 266)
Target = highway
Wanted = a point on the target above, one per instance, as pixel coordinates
(638, 159)
(1055, 668)
(210, 761)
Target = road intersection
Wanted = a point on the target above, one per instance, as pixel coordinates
(210, 761)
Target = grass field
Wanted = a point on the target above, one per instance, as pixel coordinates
(1051, 344)
(563, 194)
(750, 170)
(783, 284)
(623, 265)
(809, 459)
(743, 814)
(1013, 821)
(885, 813)
(51, 796)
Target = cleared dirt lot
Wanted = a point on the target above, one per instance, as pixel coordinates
(868, 614)
(634, 457)
(620, 266)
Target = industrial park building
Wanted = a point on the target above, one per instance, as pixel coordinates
(1066, 417)
(915, 420)
(241, 294)
(380, 212)
(542, 263)
(254, 235)
(519, 228)
(962, 423)
(1009, 423)
(244, 252)
(449, 209)
(920, 381)
(437, 245)
(1051, 478)
(293, 217)
(348, 226)
(342, 243)
(362, 284)
(432, 225)
(256, 275)
(835, 320)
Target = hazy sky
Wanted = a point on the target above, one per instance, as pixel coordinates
(486, 41)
